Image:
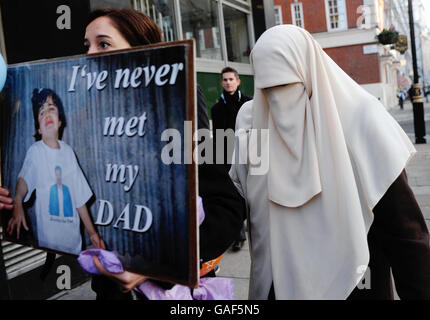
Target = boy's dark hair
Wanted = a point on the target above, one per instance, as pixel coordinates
(230, 69)
(136, 27)
(38, 99)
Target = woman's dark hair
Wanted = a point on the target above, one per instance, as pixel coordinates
(137, 28)
(38, 99)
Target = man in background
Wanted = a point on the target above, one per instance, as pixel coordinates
(224, 114)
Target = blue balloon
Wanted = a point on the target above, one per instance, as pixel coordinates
(3, 72)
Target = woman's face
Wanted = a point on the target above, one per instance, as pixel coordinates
(102, 36)
(49, 121)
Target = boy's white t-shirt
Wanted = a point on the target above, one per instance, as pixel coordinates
(55, 231)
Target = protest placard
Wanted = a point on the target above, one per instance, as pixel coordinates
(87, 132)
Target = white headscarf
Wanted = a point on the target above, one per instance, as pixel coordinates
(333, 152)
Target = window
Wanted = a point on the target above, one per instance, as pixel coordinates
(297, 14)
(222, 29)
(162, 12)
(208, 39)
(278, 15)
(95, 4)
(336, 15)
(200, 21)
(236, 34)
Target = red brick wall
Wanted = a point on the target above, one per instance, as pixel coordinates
(363, 68)
(314, 13)
(351, 11)
(314, 16)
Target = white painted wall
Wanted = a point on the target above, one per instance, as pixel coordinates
(382, 91)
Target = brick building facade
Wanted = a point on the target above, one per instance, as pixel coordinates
(341, 28)
(363, 68)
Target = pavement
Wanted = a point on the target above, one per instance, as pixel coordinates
(236, 265)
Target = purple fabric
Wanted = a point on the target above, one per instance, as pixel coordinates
(200, 210)
(209, 289)
(109, 260)
(214, 289)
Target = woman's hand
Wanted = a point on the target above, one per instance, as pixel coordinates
(126, 280)
(18, 219)
(5, 201)
(97, 241)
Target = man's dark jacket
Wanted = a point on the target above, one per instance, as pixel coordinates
(224, 114)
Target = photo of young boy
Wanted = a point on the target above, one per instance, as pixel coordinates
(51, 170)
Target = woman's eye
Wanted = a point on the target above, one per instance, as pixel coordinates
(104, 45)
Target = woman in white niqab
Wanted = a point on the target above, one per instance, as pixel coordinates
(333, 153)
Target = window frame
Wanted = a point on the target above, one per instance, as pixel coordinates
(278, 15)
(343, 16)
(234, 4)
(294, 5)
(250, 27)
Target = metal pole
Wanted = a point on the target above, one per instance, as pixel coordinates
(417, 99)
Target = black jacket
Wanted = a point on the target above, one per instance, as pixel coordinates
(224, 207)
(224, 114)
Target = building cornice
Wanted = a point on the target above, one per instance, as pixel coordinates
(215, 66)
(344, 38)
